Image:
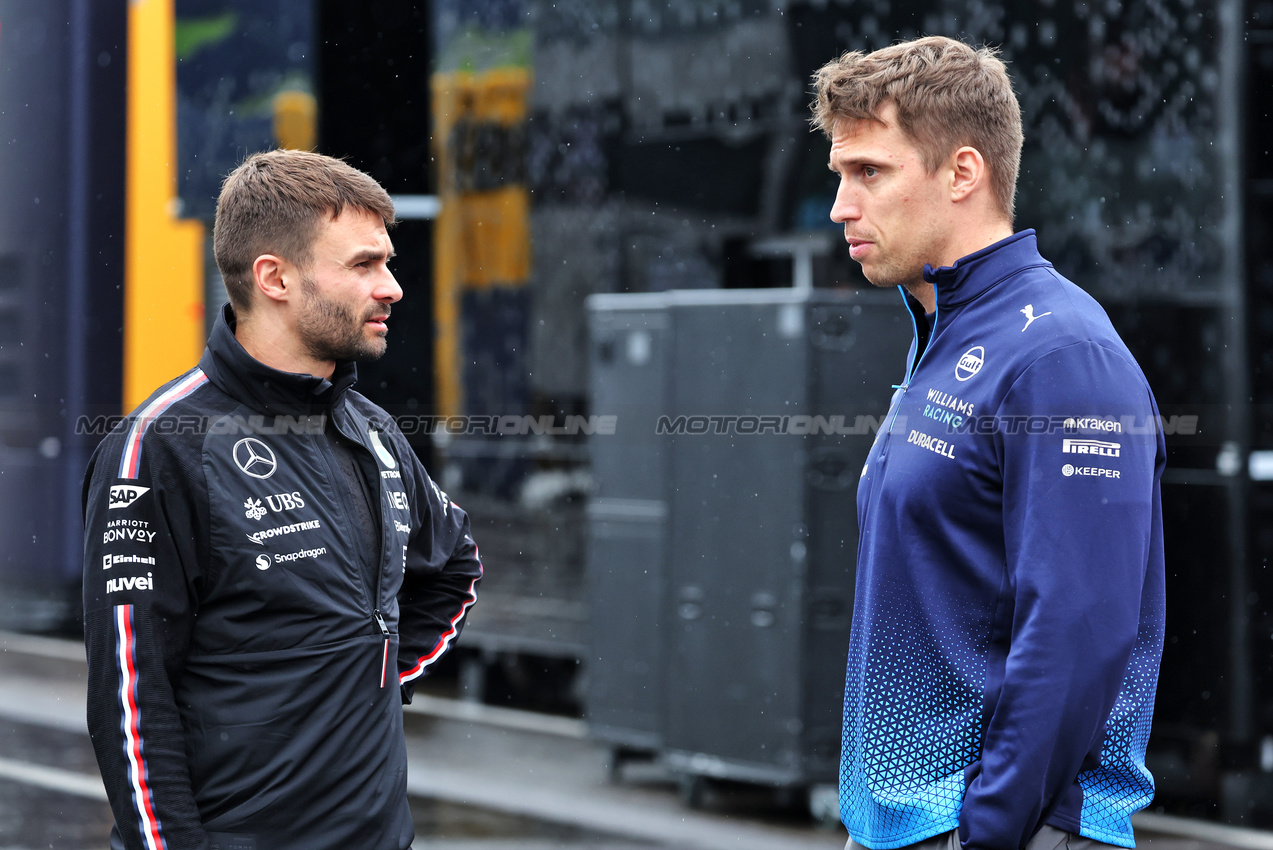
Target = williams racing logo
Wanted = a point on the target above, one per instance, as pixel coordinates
(123, 495)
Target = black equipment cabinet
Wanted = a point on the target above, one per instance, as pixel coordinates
(722, 528)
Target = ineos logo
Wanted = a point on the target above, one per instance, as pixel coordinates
(254, 458)
(970, 363)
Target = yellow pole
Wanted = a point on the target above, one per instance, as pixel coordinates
(481, 238)
(163, 265)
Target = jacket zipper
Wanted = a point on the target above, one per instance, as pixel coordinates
(912, 368)
(384, 630)
(376, 615)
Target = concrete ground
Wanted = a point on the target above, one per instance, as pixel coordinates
(481, 778)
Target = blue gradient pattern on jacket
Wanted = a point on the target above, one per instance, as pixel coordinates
(1009, 608)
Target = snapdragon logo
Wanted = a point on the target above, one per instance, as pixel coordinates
(296, 556)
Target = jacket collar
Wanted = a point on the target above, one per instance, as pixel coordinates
(262, 388)
(973, 275)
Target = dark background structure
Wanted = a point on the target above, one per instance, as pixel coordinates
(666, 146)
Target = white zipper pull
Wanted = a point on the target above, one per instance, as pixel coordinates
(384, 661)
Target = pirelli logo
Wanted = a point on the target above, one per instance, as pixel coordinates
(1090, 447)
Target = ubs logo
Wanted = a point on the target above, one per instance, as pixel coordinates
(970, 364)
(254, 458)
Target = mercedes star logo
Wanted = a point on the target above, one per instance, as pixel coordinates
(254, 458)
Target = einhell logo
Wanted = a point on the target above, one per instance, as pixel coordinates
(123, 495)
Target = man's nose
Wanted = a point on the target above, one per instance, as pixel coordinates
(389, 290)
(845, 207)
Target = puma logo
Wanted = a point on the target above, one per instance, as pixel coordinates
(1028, 312)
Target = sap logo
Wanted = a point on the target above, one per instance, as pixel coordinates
(398, 499)
(123, 495)
(280, 502)
(146, 582)
(971, 363)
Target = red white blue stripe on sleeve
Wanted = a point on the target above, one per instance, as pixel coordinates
(130, 723)
(131, 460)
(439, 649)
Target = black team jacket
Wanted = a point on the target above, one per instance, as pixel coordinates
(247, 658)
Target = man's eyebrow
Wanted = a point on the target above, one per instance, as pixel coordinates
(372, 254)
(860, 159)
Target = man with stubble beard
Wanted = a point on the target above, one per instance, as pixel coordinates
(268, 567)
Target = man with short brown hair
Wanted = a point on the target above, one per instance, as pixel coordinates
(268, 568)
(1009, 606)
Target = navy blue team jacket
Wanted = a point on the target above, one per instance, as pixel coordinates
(1008, 619)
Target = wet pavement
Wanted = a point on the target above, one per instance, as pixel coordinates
(480, 778)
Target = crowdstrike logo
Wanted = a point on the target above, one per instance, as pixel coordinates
(254, 458)
(971, 363)
(259, 537)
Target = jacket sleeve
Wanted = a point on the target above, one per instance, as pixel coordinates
(441, 574)
(1079, 514)
(140, 570)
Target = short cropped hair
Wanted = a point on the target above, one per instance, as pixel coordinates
(947, 95)
(273, 204)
